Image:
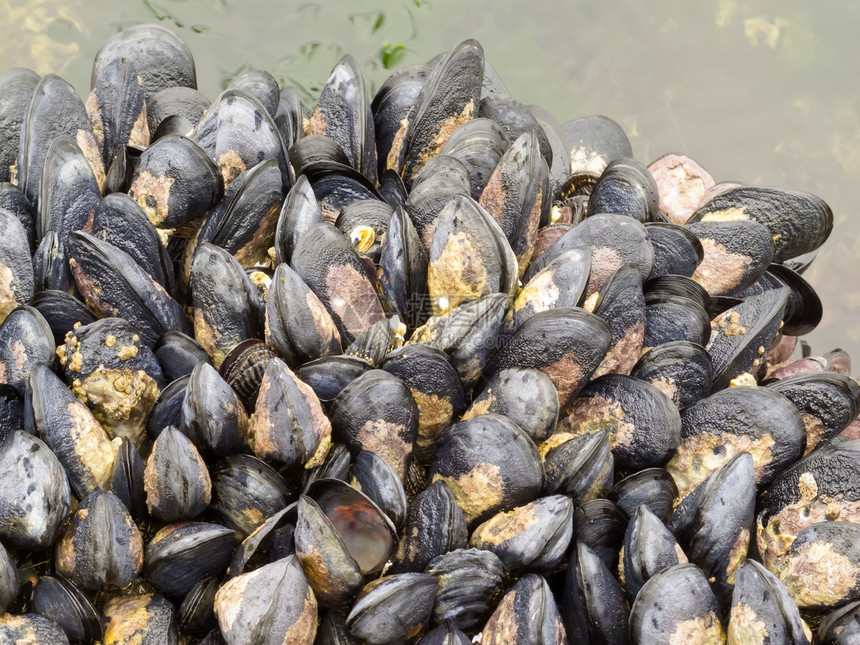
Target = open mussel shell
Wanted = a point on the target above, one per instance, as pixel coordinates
(343, 113)
(625, 187)
(741, 336)
(678, 605)
(160, 57)
(479, 145)
(434, 526)
(181, 555)
(25, 341)
(798, 222)
(681, 184)
(581, 467)
(269, 542)
(840, 627)
(734, 420)
(470, 580)
(9, 585)
(736, 254)
(533, 537)
(490, 464)
(31, 628)
(16, 89)
(593, 141)
(621, 303)
(525, 396)
(435, 388)
(827, 402)
(272, 604)
(526, 614)
(714, 523)
(238, 133)
(562, 283)
(225, 312)
(376, 412)
(35, 518)
(820, 568)
(681, 370)
(565, 344)
(102, 547)
(653, 487)
(55, 110)
(676, 250)
(820, 487)
(176, 479)
(372, 475)
(450, 97)
(113, 284)
(68, 606)
(467, 334)
(146, 617)
(16, 267)
(644, 426)
(393, 608)
(600, 525)
(246, 491)
(649, 548)
(175, 181)
(763, 609)
(182, 103)
(213, 416)
(469, 257)
(593, 606)
(327, 263)
(67, 425)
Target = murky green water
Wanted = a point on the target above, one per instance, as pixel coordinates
(757, 92)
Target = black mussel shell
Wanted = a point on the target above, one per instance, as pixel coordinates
(450, 97)
(798, 222)
(25, 341)
(649, 548)
(126, 479)
(51, 271)
(15, 201)
(391, 107)
(184, 103)
(393, 608)
(196, 614)
(599, 524)
(102, 547)
(479, 145)
(533, 537)
(31, 628)
(442, 179)
(148, 618)
(266, 542)
(763, 609)
(61, 311)
(246, 491)
(803, 311)
(625, 187)
(593, 605)
(734, 420)
(16, 89)
(167, 409)
(271, 604)
(579, 466)
(299, 212)
(9, 585)
(490, 465)
(327, 376)
(445, 634)
(178, 354)
(213, 416)
(11, 411)
(68, 606)
(526, 396)
(681, 370)
(176, 479)
(403, 270)
(243, 369)
(181, 555)
(674, 318)
(644, 426)
(514, 117)
(593, 141)
(526, 614)
(621, 303)
(678, 605)
(376, 412)
(434, 526)
(840, 627)
(676, 250)
(16, 268)
(653, 487)
(737, 253)
(470, 581)
(372, 475)
(262, 86)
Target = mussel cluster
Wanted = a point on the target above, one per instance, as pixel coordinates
(405, 368)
